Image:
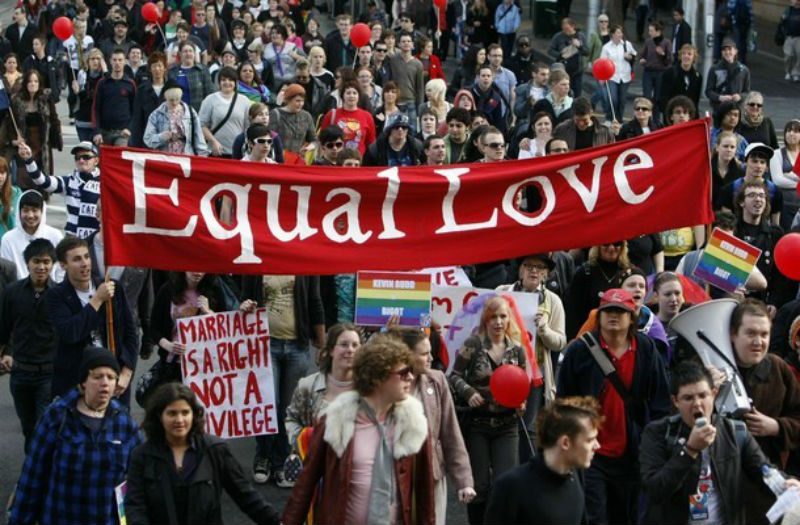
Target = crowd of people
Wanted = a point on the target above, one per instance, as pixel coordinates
(373, 428)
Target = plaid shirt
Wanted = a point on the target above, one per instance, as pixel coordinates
(70, 474)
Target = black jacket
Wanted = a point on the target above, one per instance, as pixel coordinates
(144, 103)
(74, 325)
(580, 375)
(377, 152)
(48, 68)
(669, 475)
(676, 81)
(23, 46)
(150, 496)
(308, 309)
(632, 129)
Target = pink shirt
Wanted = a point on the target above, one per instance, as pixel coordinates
(365, 444)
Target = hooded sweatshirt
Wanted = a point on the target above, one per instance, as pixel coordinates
(16, 240)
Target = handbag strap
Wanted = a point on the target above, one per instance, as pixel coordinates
(227, 116)
(605, 364)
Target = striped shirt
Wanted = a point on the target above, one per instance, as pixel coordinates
(81, 194)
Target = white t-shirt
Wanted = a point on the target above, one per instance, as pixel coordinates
(705, 507)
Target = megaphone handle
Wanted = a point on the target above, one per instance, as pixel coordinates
(702, 336)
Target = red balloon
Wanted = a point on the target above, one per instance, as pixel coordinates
(150, 12)
(441, 4)
(787, 256)
(510, 385)
(62, 28)
(359, 34)
(603, 69)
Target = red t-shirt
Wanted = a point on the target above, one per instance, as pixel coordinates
(358, 127)
(613, 434)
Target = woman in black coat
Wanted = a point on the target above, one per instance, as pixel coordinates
(149, 96)
(177, 476)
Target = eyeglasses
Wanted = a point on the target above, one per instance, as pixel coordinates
(602, 21)
(754, 195)
(405, 373)
(618, 244)
(537, 267)
(643, 108)
(84, 157)
(302, 79)
(338, 144)
(495, 145)
(755, 105)
(263, 140)
(524, 44)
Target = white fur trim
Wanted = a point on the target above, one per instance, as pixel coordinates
(410, 431)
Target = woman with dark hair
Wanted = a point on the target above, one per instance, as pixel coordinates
(9, 196)
(372, 448)
(492, 437)
(781, 169)
(221, 123)
(532, 143)
(149, 96)
(315, 392)
(679, 109)
(312, 37)
(389, 109)
(606, 267)
(727, 118)
(282, 56)
(178, 475)
(431, 389)
(38, 123)
(12, 76)
(357, 124)
(464, 76)
(472, 150)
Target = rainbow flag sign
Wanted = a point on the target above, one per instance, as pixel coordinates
(380, 295)
(727, 261)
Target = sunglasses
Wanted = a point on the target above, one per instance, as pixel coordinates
(405, 373)
(495, 145)
(524, 44)
(755, 105)
(381, 49)
(263, 140)
(615, 244)
(84, 157)
(642, 108)
(338, 144)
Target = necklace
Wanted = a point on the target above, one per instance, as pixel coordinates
(605, 275)
(92, 411)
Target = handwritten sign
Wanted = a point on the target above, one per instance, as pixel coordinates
(381, 295)
(448, 276)
(456, 309)
(227, 365)
(727, 261)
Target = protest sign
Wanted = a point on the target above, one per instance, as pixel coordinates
(457, 310)
(381, 295)
(227, 364)
(448, 276)
(303, 220)
(727, 261)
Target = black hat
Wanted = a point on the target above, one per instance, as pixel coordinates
(95, 357)
(545, 257)
(171, 84)
(121, 21)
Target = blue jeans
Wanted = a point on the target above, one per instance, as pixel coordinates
(410, 111)
(619, 90)
(31, 393)
(289, 364)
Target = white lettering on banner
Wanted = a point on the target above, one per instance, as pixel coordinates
(343, 224)
(350, 210)
(140, 193)
(387, 211)
(227, 364)
(623, 165)
(448, 214)
(735, 250)
(302, 229)
(242, 228)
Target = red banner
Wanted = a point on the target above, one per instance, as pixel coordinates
(159, 209)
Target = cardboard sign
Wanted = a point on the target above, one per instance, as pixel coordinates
(381, 295)
(457, 310)
(227, 365)
(727, 261)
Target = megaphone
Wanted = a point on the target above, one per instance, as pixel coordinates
(707, 328)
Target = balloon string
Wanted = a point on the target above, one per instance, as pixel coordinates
(610, 102)
(527, 435)
(163, 36)
(69, 54)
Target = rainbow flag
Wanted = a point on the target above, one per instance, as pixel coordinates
(252, 93)
(380, 295)
(727, 261)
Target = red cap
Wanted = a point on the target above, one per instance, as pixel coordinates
(617, 298)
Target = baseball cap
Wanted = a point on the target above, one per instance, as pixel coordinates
(84, 146)
(759, 147)
(728, 42)
(617, 298)
(398, 121)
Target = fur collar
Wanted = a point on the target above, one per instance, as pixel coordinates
(410, 431)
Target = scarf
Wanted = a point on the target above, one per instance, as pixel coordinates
(753, 122)
(382, 488)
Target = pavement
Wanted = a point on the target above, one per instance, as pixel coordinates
(780, 104)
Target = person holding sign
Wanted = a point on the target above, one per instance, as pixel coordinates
(79, 452)
(177, 476)
(372, 448)
(492, 438)
(430, 388)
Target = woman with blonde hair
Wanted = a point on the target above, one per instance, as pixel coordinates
(317, 59)
(435, 90)
(9, 196)
(492, 436)
(606, 267)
